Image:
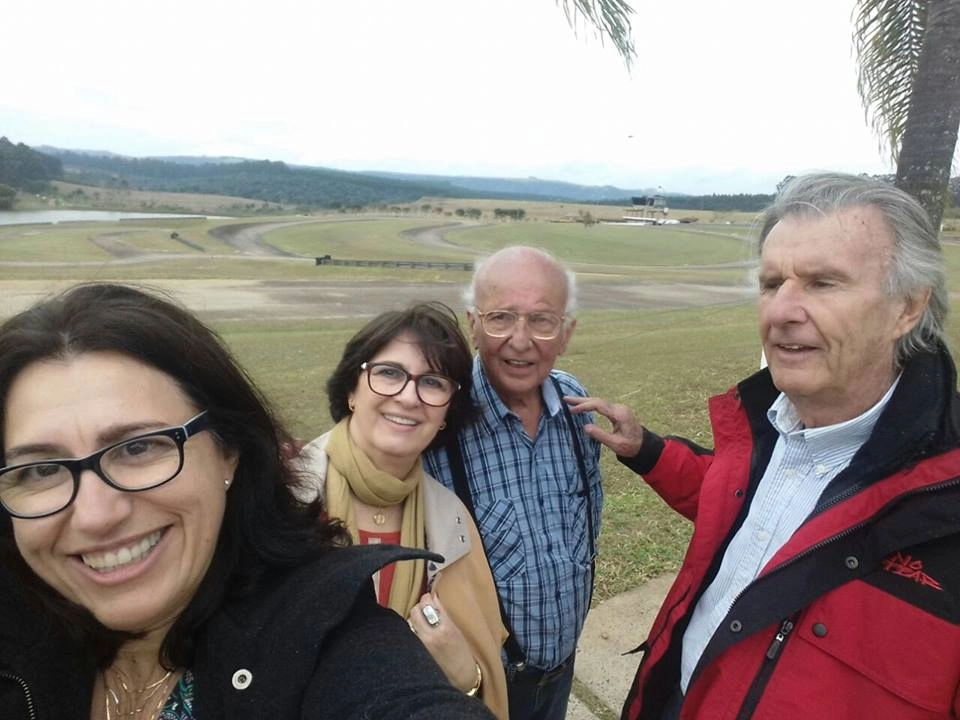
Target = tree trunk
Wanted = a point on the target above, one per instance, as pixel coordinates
(933, 120)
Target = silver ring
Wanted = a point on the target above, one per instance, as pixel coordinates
(430, 615)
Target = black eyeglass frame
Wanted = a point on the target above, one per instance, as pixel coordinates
(366, 366)
(179, 434)
(525, 316)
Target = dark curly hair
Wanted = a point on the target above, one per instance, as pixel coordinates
(437, 333)
(264, 526)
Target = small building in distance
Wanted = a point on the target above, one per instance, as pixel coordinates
(648, 210)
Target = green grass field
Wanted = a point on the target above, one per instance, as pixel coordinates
(663, 363)
(616, 245)
(379, 239)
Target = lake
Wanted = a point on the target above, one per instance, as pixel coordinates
(31, 217)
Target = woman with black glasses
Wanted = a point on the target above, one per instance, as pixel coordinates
(154, 561)
(403, 385)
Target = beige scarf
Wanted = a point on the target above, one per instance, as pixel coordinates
(351, 473)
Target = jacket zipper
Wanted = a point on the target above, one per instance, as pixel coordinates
(775, 647)
(762, 677)
(651, 641)
(848, 530)
(902, 461)
(26, 692)
(853, 528)
(813, 548)
(779, 639)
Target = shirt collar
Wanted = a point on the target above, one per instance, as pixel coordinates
(845, 437)
(494, 409)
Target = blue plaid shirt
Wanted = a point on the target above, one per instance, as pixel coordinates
(531, 514)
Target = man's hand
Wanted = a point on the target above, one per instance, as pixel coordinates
(626, 435)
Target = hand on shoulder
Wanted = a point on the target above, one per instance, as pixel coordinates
(625, 436)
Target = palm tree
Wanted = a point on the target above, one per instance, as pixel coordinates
(610, 18)
(908, 52)
(909, 57)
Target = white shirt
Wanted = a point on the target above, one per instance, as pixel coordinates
(803, 463)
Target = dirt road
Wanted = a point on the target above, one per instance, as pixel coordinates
(218, 299)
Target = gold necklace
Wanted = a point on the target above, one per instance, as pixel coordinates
(378, 517)
(135, 697)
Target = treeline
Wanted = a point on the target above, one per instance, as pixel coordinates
(717, 202)
(268, 181)
(512, 213)
(757, 202)
(739, 202)
(22, 168)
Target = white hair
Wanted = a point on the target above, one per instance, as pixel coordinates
(916, 261)
(470, 292)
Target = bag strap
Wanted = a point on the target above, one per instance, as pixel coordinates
(461, 486)
(584, 478)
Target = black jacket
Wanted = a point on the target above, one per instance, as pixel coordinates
(316, 645)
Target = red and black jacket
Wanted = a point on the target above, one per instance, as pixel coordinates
(858, 615)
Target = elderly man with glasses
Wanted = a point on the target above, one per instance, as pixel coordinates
(529, 472)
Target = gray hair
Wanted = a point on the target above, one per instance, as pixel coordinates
(481, 266)
(916, 260)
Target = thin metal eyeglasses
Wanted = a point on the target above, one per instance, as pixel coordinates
(387, 379)
(541, 325)
(46, 487)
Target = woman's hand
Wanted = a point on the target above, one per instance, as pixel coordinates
(444, 640)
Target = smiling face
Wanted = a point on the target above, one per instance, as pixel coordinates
(517, 364)
(393, 431)
(828, 328)
(133, 559)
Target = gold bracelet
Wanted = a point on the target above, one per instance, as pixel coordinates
(476, 686)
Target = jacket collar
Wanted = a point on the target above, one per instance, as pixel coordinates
(922, 418)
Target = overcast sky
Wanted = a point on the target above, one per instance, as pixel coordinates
(723, 96)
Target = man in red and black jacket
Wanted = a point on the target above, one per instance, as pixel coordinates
(822, 579)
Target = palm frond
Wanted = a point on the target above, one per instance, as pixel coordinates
(887, 37)
(610, 19)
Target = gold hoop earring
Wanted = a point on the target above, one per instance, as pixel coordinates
(443, 425)
(351, 405)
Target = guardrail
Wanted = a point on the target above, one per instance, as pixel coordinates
(410, 264)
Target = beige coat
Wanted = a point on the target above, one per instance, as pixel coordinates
(463, 581)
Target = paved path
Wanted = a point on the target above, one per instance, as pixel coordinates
(614, 627)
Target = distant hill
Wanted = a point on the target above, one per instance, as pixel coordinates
(528, 188)
(558, 191)
(312, 186)
(265, 180)
(309, 186)
(200, 159)
(23, 168)
(54, 151)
